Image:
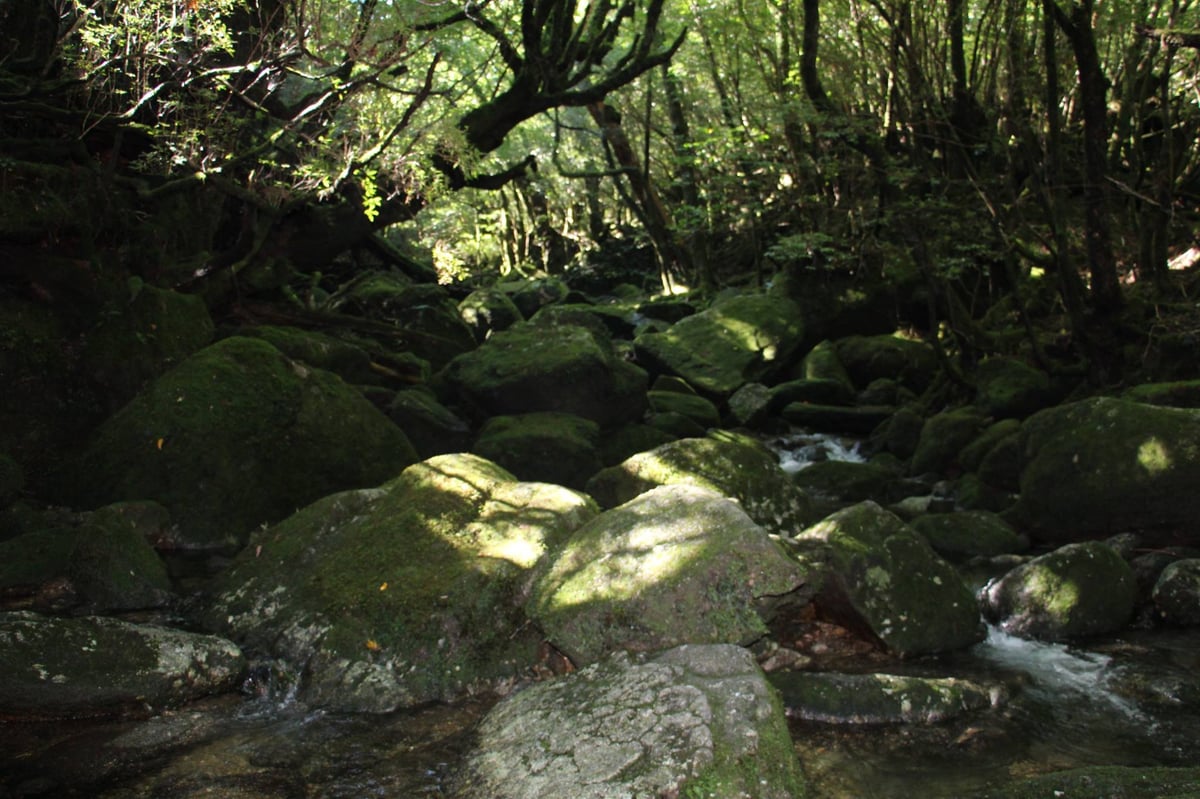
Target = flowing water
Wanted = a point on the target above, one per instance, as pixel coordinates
(1133, 699)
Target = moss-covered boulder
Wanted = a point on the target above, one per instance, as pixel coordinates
(1009, 388)
(901, 433)
(700, 410)
(869, 358)
(1112, 782)
(696, 721)
(154, 331)
(967, 534)
(1176, 593)
(835, 698)
(738, 340)
(943, 437)
(531, 295)
(629, 440)
(1104, 466)
(487, 311)
(1075, 591)
(345, 359)
(731, 464)
(678, 564)
(750, 406)
(542, 447)
(95, 666)
(528, 368)
(813, 391)
(432, 428)
(102, 563)
(822, 363)
(615, 320)
(881, 577)
(234, 437)
(407, 593)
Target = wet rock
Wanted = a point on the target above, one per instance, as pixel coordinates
(730, 464)
(94, 666)
(407, 593)
(1103, 466)
(695, 721)
(836, 698)
(1125, 782)
(967, 534)
(542, 447)
(868, 358)
(1077, 590)
(1176, 595)
(880, 576)
(527, 368)
(236, 436)
(678, 564)
(738, 340)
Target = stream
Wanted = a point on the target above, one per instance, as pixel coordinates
(1131, 699)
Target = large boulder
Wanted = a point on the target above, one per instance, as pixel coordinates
(403, 594)
(432, 428)
(678, 564)
(234, 437)
(943, 437)
(1009, 388)
(95, 666)
(967, 534)
(530, 368)
(695, 721)
(1077, 590)
(881, 577)
(730, 464)
(737, 340)
(486, 311)
(1103, 466)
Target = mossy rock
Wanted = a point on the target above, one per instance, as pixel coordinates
(1111, 782)
(741, 339)
(1178, 394)
(696, 721)
(531, 295)
(880, 576)
(527, 368)
(868, 358)
(1000, 467)
(487, 311)
(403, 594)
(834, 698)
(432, 428)
(154, 331)
(1104, 466)
(694, 407)
(851, 482)
(966, 534)
(1009, 388)
(234, 437)
(860, 420)
(1176, 594)
(901, 433)
(815, 391)
(973, 454)
(943, 438)
(629, 440)
(615, 321)
(750, 407)
(543, 447)
(822, 363)
(94, 666)
(731, 464)
(346, 360)
(676, 565)
(1075, 591)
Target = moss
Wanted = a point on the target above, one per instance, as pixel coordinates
(545, 447)
(1119, 782)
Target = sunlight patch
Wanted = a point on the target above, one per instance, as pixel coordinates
(1153, 456)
